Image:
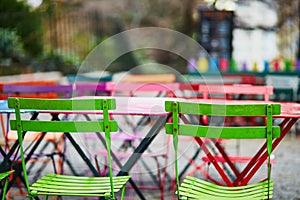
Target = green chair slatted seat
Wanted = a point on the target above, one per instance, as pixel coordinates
(4, 175)
(194, 188)
(64, 185)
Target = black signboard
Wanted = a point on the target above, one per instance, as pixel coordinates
(215, 32)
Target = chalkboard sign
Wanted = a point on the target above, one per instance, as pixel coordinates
(215, 32)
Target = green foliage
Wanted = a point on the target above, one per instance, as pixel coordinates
(65, 63)
(17, 15)
(10, 45)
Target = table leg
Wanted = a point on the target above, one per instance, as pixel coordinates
(137, 152)
(257, 156)
(227, 159)
(284, 130)
(2, 152)
(255, 163)
(187, 166)
(7, 158)
(82, 154)
(214, 162)
(15, 146)
(204, 146)
(143, 145)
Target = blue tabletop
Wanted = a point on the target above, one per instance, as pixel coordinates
(4, 108)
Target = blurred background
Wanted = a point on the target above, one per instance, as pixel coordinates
(56, 35)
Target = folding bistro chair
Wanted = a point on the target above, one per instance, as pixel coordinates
(229, 92)
(193, 188)
(5, 175)
(64, 185)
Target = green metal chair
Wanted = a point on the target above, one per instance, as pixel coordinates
(193, 188)
(5, 175)
(64, 185)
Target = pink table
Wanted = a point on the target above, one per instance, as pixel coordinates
(140, 106)
(152, 106)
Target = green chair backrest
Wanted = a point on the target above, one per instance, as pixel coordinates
(55, 105)
(176, 127)
(5, 174)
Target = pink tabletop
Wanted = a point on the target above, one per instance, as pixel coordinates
(155, 106)
(288, 109)
(152, 106)
(291, 110)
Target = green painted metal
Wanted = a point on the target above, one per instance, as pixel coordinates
(175, 127)
(224, 132)
(64, 126)
(63, 104)
(193, 188)
(269, 139)
(4, 175)
(195, 108)
(63, 185)
(108, 144)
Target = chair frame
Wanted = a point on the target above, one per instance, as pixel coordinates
(176, 128)
(5, 175)
(108, 185)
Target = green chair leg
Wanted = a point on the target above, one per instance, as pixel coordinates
(6, 176)
(123, 192)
